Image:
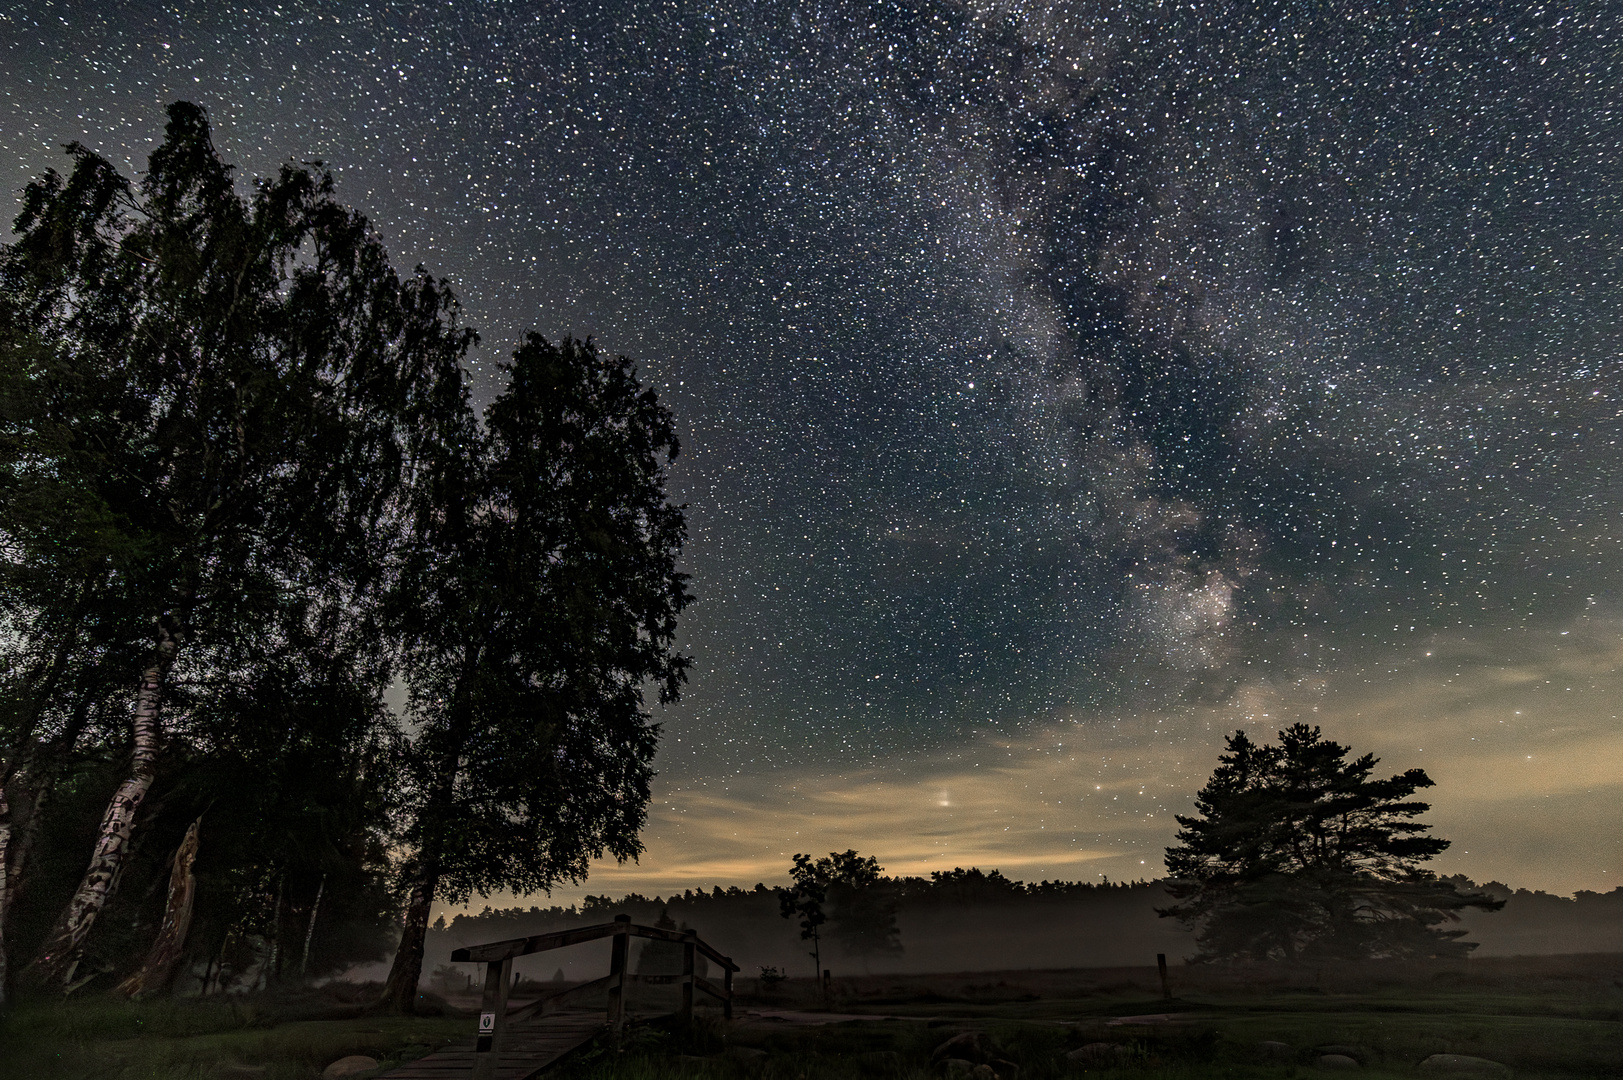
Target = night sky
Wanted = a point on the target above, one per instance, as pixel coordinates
(1063, 385)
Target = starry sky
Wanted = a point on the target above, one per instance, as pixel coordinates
(1063, 384)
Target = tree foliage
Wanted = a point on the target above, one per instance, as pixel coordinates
(242, 486)
(207, 402)
(538, 598)
(803, 900)
(1298, 853)
(861, 903)
(863, 910)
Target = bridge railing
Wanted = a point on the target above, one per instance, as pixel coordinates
(498, 957)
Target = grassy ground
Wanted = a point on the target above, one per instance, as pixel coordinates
(1559, 1021)
(1559, 1018)
(262, 1036)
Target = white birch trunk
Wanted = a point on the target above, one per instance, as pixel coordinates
(56, 962)
(273, 951)
(156, 973)
(310, 930)
(400, 990)
(5, 890)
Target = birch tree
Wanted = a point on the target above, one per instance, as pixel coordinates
(539, 599)
(224, 384)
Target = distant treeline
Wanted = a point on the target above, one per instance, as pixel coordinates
(974, 886)
(947, 922)
(948, 887)
(1583, 899)
(1535, 922)
(942, 918)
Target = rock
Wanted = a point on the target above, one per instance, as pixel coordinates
(1098, 1053)
(972, 1046)
(1461, 1065)
(982, 1072)
(1005, 1070)
(1277, 1052)
(1336, 1061)
(957, 1068)
(354, 1065)
(1357, 1053)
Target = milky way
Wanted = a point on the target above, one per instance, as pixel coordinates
(1069, 363)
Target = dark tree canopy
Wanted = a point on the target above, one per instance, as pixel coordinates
(1298, 853)
(207, 399)
(803, 900)
(242, 487)
(860, 903)
(862, 910)
(538, 599)
(541, 600)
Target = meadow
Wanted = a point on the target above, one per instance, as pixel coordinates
(1540, 1017)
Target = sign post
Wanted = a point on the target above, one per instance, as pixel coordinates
(492, 1018)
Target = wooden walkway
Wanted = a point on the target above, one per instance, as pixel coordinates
(527, 1048)
(518, 1044)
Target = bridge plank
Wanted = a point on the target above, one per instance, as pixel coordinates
(527, 1049)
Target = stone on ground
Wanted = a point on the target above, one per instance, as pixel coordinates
(1462, 1065)
(353, 1065)
(1337, 1061)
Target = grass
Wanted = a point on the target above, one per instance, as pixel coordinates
(1216, 1044)
(1545, 1024)
(110, 1039)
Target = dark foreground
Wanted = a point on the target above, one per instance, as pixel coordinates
(1555, 1017)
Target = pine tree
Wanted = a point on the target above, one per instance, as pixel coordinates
(1297, 853)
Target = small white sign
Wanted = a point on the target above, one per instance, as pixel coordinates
(487, 1023)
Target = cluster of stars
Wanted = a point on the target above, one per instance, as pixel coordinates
(1035, 359)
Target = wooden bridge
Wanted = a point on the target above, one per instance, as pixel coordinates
(518, 1045)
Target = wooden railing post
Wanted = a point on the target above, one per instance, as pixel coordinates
(618, 957)
(492, 1018)
(498, 957)
(689, 947)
